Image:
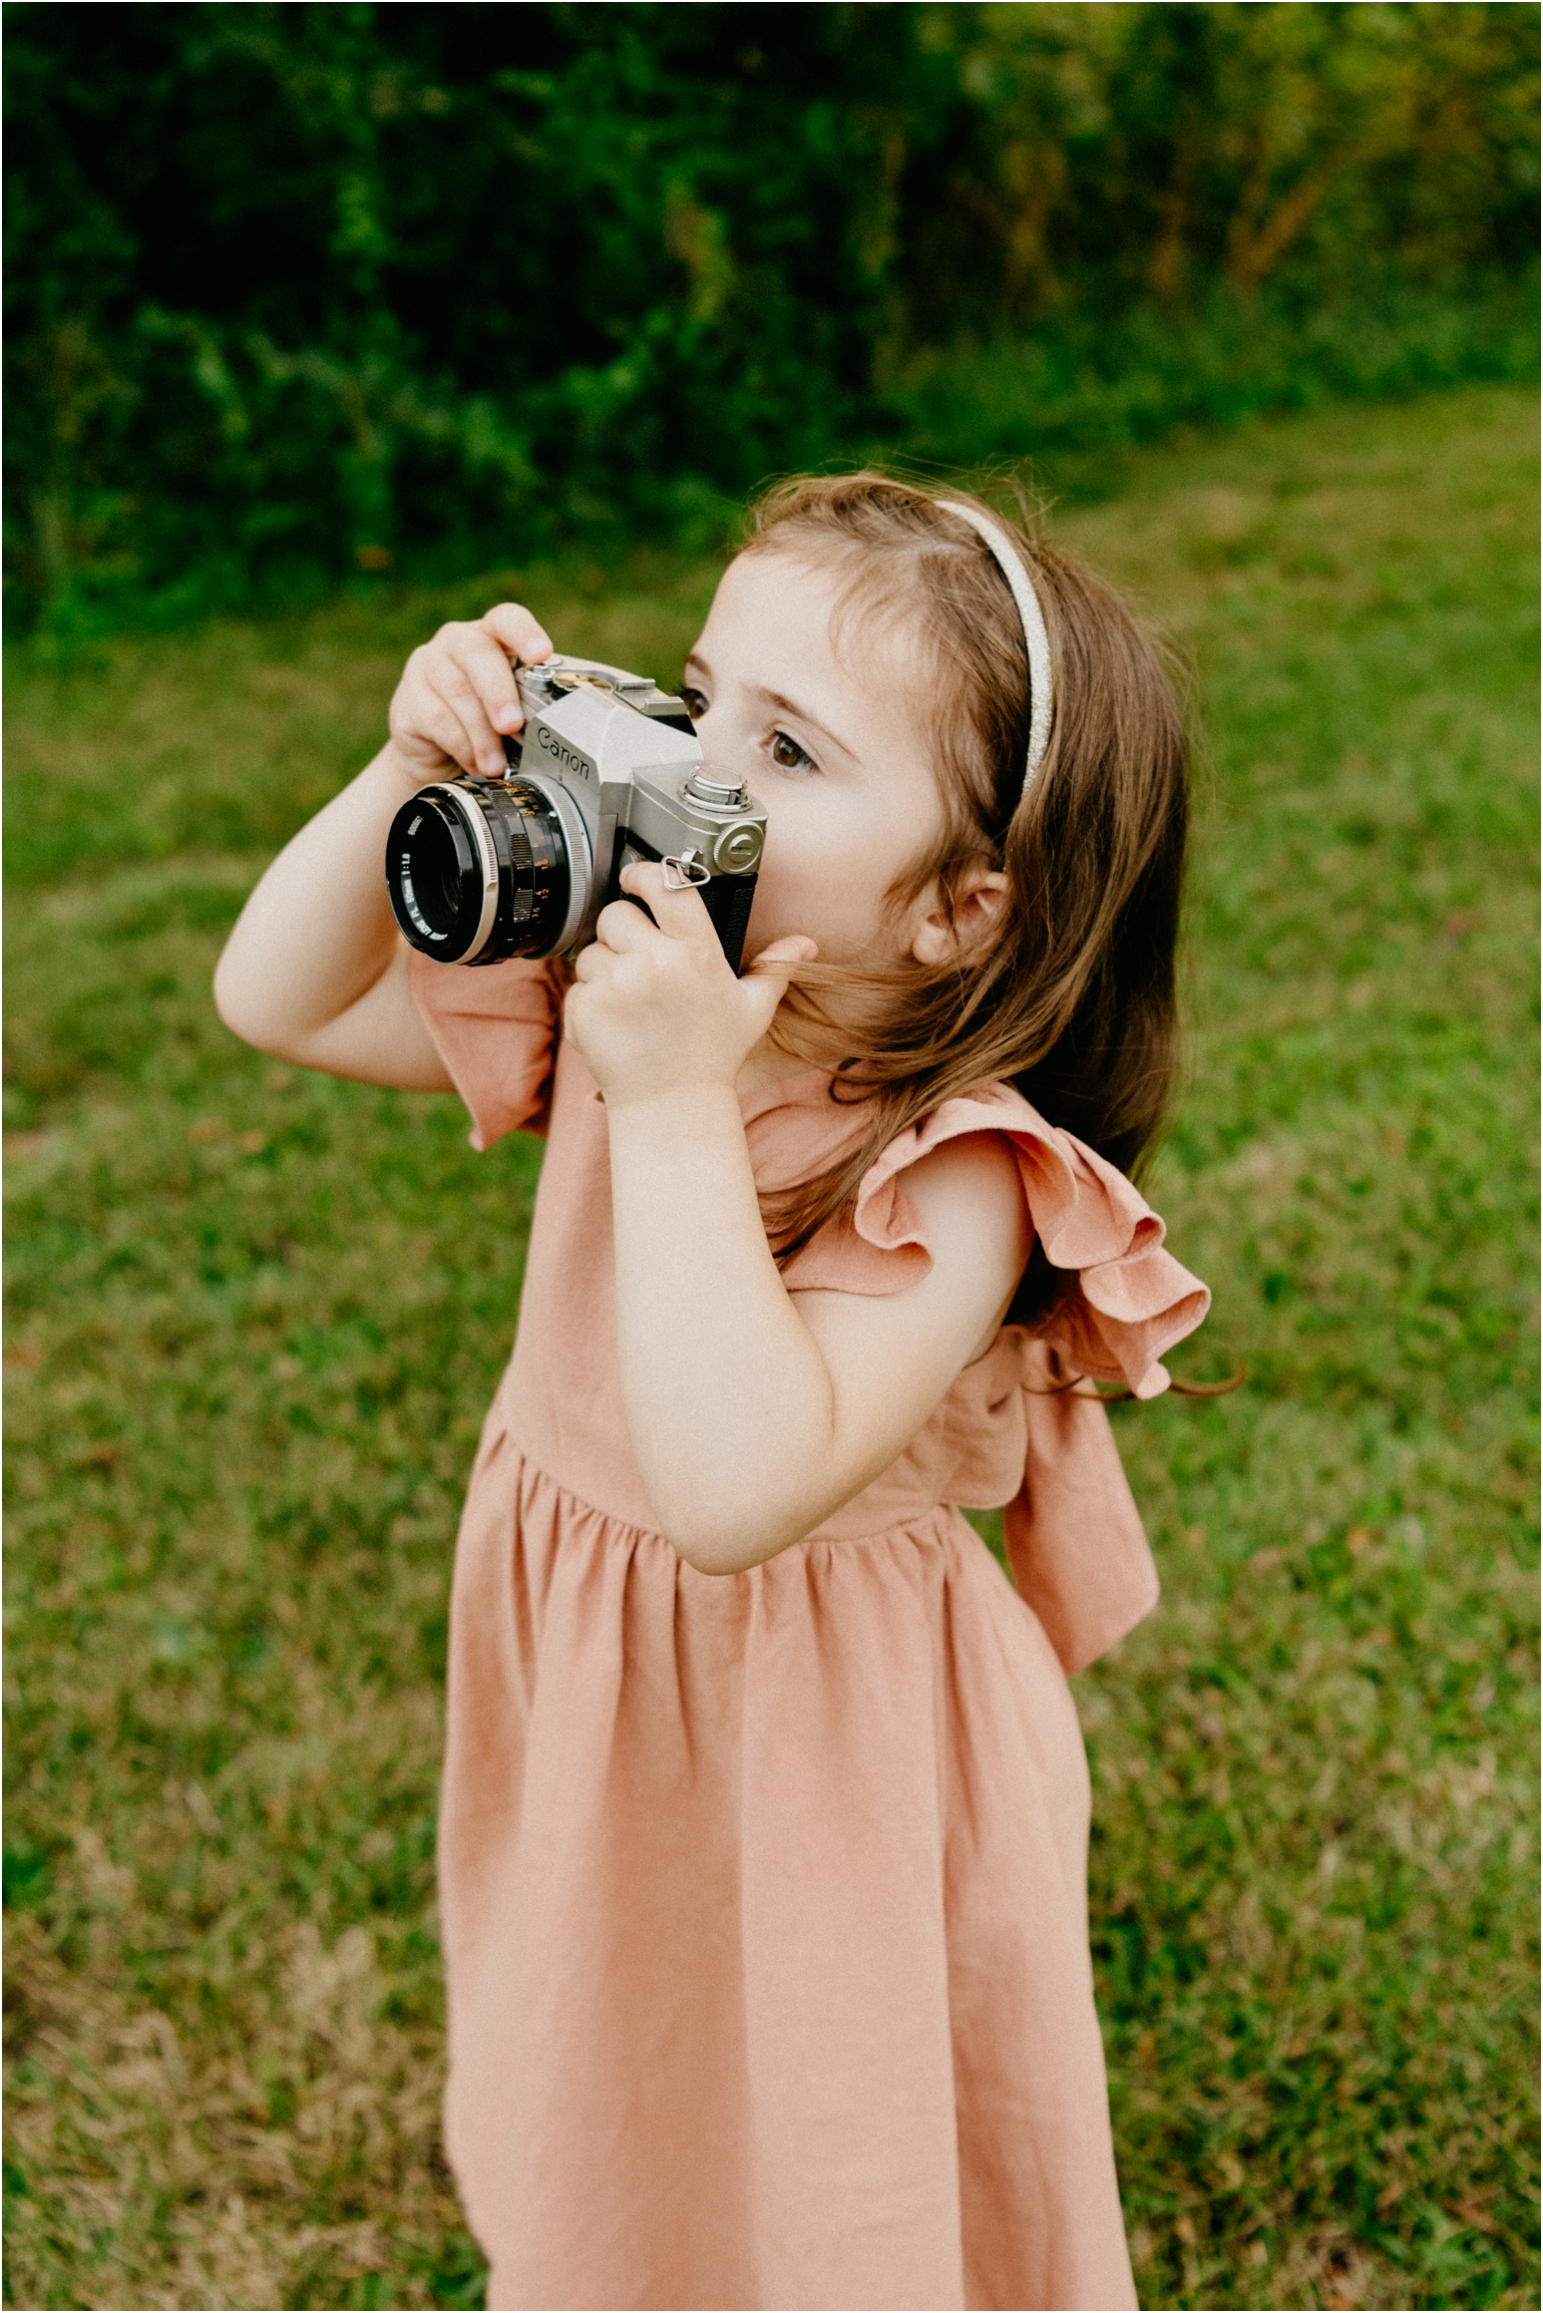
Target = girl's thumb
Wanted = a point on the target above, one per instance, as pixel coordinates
(782, 955)
(774, 966)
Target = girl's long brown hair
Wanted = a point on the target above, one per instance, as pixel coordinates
(1069, 994)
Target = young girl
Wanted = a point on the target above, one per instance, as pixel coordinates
(763, 1844)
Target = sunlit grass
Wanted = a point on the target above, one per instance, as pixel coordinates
(255, 1317)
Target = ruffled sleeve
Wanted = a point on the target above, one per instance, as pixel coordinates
(495, 1026)
(1022, 1433)
(1132, 1300)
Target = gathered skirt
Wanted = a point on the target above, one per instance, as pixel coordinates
(764, 1909)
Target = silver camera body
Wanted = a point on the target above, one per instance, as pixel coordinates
(607, 770)
(623, 754)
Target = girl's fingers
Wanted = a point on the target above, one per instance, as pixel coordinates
(623, 928)
(522, 636)
(487, 666)
(459, 692)
(679, 914)
(437, 721)
(465, 692)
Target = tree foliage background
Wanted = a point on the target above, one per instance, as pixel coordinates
(302, 289)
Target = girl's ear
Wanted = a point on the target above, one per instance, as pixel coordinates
(941, 929)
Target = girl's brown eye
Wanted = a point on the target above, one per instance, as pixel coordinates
(786, 753)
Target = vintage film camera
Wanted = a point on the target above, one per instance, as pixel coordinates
(607, 770)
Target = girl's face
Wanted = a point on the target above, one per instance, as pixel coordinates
(836, 754)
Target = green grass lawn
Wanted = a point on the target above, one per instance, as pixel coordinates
(255, 1317)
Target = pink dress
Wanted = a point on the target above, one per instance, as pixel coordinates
(764, 1896)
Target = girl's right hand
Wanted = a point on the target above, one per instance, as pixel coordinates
(458, 696)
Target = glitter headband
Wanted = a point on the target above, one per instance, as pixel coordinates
(1010, 562)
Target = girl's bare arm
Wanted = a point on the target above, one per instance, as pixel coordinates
(754, 1413)
(315, 970)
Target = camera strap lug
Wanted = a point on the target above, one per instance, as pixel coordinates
(687, 872)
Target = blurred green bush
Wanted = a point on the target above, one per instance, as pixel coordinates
(307, 289)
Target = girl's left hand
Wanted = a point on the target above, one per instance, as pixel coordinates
(656, 1009)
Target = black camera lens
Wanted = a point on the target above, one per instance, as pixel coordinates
(479, 871)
